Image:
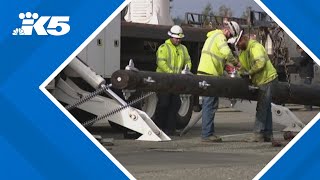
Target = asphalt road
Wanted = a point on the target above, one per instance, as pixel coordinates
(187, 157)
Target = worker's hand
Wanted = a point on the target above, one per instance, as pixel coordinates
(238, 66)
(230, 68)
(245, 75)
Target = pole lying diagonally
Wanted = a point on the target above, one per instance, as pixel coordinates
(212, 86)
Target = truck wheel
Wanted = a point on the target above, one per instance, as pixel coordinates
(185, 111)
(149, 106)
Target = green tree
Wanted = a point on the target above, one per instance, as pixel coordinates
(178, 20)
(225, 11)
(208, 10)
(246, 13)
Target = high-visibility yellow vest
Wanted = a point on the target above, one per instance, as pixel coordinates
(255, 60)
(215, 53)
(171, 58)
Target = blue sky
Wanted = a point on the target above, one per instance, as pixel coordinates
(180, 7)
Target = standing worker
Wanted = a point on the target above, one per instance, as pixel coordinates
(172, 56)
(214, 56)
(256, 64)
(306, 71)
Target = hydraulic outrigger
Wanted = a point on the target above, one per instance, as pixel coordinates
(112, 109)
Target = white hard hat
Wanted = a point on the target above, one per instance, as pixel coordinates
(176, 32)
(234, 40)
(234, 28)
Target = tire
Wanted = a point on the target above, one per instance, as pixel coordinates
(149, 105)
(185, 111)
(184, 114)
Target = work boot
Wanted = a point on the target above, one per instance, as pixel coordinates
(268, 138)
(212, 138)
(289, 135)
(276, 143)
(256, 137)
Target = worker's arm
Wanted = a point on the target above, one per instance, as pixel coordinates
(187, 59)
(162, 59)
(258, 59)
(226, 51)
(242, 66)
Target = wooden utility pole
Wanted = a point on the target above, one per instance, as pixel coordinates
(212, 86)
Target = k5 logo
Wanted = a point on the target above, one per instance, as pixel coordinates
(57, 25)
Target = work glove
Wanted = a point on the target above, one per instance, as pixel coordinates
(230, 68)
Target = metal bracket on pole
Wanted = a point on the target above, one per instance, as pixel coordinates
(204, 85)
(186, 70)
(130, 66)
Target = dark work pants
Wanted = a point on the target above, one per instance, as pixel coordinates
(167, 109)
(263, 122)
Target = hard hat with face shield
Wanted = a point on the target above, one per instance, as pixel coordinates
(176, 32)
(234, 28)
(235, 31)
